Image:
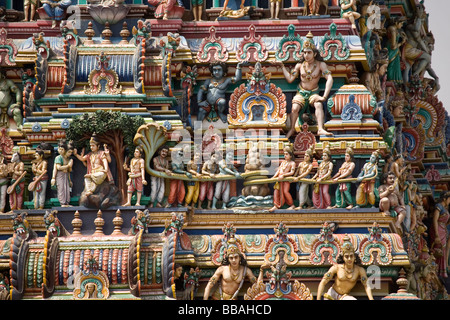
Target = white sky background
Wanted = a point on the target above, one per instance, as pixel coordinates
(438, 13)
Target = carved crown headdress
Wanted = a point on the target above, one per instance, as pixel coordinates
(232, 247)
(347, 246)
(309, 42)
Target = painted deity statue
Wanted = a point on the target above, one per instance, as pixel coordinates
(97, 163)
(226, 167)
(281, 193)
(439, 233)
(4, 174)
(321, 196)
(396, 39)
(160, 163)
(61, 173)
(346, 272)
(349, 11)
(194, 167)
(391, 200)
(177, 188)
(17, 187)
(8, 90)
(39, 184)
(136, 177)
(310, 68)
(230, 276)
(343, 196)
(215, 104)
(29, 9)
(209, 169)
(365, 194)
(303, 172)
(417, 50)
(312, 7)
(56, 9)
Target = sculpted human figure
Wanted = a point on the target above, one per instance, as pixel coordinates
(439, 232)
(215, 104)
(275, 9)
(346, 273)
(160, 163)
(349, 11)
(230, 275)
(136, 177)
(194, 167)
(226, 167)
(97, 164)
(177, 189)
(281, 193)
(210, 169)
(29, 9)
(197, 9)
(303, 172)
(343, 196)
(365, 194)
(17, 186)
(396, 39)
(61, 173)
(391, 200)
(8, 108)
(321, 196)
(4, 173)
(418, 48)
(310, 68)
(40, 179)
(55, 9)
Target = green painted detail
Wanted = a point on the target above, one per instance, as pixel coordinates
(158, 268)
(40, 271)
(150, 267)
(291, 41)
(30, 269)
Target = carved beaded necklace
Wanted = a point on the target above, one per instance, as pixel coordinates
(309, 73)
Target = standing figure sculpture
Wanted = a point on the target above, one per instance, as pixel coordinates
(7, 105)
(194, 167)
(215, 104)
(365, 194)
(4, 173)
(210, 169)
(177, 188)
(343, 196)
(396, 39)
(349, 11)
(160, 163)
(275, 6)
(136, 177)
(61, 173)
(310, 68)
(17, 187)
(281, 194)
(197, 9)
(226, 167)
(39, 184)
(230, 276)
(347, 272)
(439, 233)
(56, 9)
(29, 9)
(303, 172)
(391, 200)
(321, 196)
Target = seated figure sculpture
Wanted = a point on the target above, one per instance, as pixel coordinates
(347, 272)
(391, 200)
(99, 189)
(310, 68)
(215, 104)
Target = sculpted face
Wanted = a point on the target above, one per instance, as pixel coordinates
(347, 157)
(164, 152)
(287, 156)
(217, 72)
(309, 55)
(178, 272)
(137, 153)
(234, 259)
(390, 179)
(349, 259)
(93, 146)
